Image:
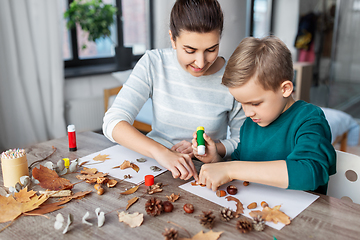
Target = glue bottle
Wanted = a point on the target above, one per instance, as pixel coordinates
(72, 138)
(200, 140)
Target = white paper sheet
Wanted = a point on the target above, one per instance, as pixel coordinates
(117, 155)
(292, 202)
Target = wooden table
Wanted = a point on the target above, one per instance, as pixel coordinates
(326, 218)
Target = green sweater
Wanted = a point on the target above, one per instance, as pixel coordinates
(301, 136)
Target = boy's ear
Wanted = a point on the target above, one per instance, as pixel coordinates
(173, 44)
(287, 88)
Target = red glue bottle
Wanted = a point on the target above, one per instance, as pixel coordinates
(72, 138)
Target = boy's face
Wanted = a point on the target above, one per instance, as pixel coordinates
(262, 106)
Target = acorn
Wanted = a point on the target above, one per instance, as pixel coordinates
(220, 193)
(168, 206)
(232, 190)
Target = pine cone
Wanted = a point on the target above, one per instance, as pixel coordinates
(258, 223)
(226, 214)
(207, 219)
(170, 234)
(243, 225)
(153, 207)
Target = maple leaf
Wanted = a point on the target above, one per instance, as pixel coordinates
(211, 235)
(272, 215)
(49, 179)
(101, 157)
(133, 220)
(23, 195)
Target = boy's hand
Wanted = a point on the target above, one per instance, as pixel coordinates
(183, 147)
(211, 155)
(213, 175)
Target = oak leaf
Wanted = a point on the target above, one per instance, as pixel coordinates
(131, 190)
(49, 179)
(101, 157)
(272, 215)
(239, 205)
(133, 220)
(131, 202)
(211, 235)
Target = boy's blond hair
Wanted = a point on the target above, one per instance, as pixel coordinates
(268, 59)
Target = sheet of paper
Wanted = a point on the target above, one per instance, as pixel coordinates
(292, 202)
(118, 154)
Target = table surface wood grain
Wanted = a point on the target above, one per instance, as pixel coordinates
(326, 218)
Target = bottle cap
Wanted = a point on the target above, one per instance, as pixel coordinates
(66, 162)
(149, 180)
(200, 128)
(71, 128)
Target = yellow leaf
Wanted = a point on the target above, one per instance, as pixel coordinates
(101, 157)
(131, 202)
(204, 236)
(131, 190)
(23, 195)
(272, 215)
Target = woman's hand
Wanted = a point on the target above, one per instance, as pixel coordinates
(180, 165)
(211, 155)
(213, 175)
(184, 147)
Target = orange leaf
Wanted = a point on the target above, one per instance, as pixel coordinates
(111, 183)
(131, 190)
(239, 205)
(204, 236)
(131, 202)
(23, 195)
(91, 176)
(88, 170)
(50, 180)
(47, 208)
(125, 164)
(173, 197)
(101, 157)
(135, 167)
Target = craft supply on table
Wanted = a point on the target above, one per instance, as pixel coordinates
(200, 140)
(149, 180)
(14, 165)
(72, 138)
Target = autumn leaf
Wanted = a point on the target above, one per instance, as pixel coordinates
(101, 157)
(88, 170)
(131, 190)
(77, 195)
(47, 208)
(111, 183)
(133, 220)
(173, 197)
(91, 176)
(211, 235)
(126, 164)
(239, 205)
(49, 179)
(135, 167)
(272, 215)
(131, 202)
(23, 195)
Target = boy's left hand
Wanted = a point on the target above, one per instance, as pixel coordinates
(213, 175)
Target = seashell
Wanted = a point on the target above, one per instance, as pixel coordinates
(155, 168)
(59, 221)
(141, 160)
(25, 180)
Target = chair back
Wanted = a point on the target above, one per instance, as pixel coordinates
(144, 127)
(345, 184)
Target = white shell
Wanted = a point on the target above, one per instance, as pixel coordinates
(84, 219)
(69, 222)
(73, 166)
(100, 216)
(59, 221)
(25, 180)
(60, 165)
(49, 165)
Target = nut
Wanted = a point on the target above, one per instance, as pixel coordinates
(97, 186)
(188, 208)
(100, 191)
(246, 183)
(252, 205)
(168, 207)
(220, 193)
(264, 204)
(232, 190)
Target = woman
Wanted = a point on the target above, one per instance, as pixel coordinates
(184, 84)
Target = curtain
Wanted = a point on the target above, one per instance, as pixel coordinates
(31, 73)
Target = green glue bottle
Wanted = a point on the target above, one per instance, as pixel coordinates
(200, 140)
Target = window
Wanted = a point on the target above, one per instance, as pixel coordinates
(260, 18)
(131, 30)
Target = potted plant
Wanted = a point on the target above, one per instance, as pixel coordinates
(96, 18)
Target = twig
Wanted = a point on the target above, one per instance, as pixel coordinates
(31, 165)
(180, 227)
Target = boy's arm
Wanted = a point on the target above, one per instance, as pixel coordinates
(273, 173)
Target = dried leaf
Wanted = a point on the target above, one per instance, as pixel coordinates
(125, 164)
(239, 205)
(272, 215)
(111, 183)
(211, 235)
(47, 208)
(101, 157)
(90, 171)
(135, 167)
(77, 195)
(101, 180)
(49, 179)
(131, 190)
(133, 220)
(173, 197)
(91, 176)
(23, 195)
(155, 188)
(83, 163)
(61, 193)
(131, 202)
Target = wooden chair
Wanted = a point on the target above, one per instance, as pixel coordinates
(143, 127)
(345, 184)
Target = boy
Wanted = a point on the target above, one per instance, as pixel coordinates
(284, 143)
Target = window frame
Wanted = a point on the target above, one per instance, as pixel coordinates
(79, 67)
(250, 20)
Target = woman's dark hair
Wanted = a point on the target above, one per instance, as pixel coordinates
(200, 16)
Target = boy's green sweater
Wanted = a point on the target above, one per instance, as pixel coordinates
(301, 136)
